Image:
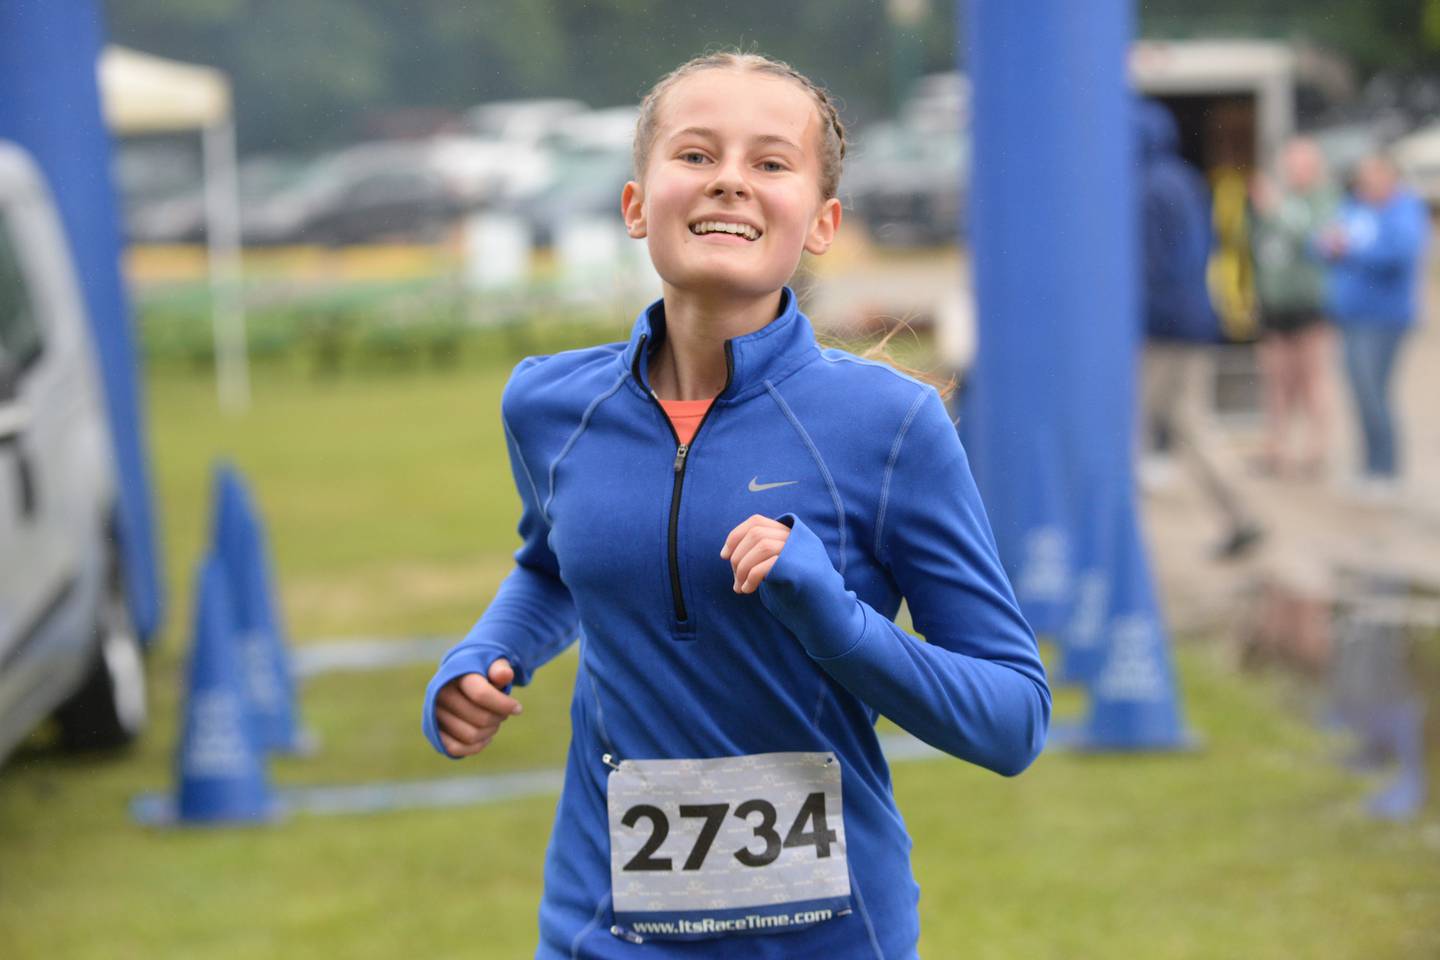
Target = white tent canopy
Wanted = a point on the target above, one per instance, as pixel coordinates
(142, 94)
(147, 94)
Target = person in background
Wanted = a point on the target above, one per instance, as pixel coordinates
(1181, 326)
(1295, 344)
(1374, 248)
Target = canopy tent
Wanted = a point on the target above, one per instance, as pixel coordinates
(142, 93)
(145, 94)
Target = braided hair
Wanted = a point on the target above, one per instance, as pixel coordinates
(832, 131)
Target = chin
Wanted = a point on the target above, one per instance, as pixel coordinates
(722, 283)
(722, 279)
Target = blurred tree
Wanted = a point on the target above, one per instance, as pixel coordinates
(1376, 34)
(1430, 24)
(307, 73)
(459, 54)
(301, 72)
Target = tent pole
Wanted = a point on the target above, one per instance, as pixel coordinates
(222, 218)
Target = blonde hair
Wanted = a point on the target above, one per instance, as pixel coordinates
(832, 131)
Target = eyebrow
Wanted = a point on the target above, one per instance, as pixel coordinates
(712, 135)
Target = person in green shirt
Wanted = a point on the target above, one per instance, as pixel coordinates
(1295, 338)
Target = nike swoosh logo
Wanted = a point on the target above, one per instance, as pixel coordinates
(756, 487)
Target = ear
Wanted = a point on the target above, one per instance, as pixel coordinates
(823, 229)
(632, 208)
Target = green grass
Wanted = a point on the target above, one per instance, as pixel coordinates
(390, 512)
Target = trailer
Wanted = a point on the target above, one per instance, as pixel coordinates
(1235, 103)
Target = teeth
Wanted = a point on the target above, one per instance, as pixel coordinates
(717, 226)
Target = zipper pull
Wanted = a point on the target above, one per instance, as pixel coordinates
(680, 453)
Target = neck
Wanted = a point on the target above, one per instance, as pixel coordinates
(690, 363)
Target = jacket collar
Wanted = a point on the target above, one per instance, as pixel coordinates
(771, 353)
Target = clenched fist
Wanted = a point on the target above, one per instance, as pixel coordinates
(470, 709)
(752, 549)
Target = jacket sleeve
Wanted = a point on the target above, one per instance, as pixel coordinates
(976, 687)
(531, 619)
(1176, 240)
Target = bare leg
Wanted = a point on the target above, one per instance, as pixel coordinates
(1316, 346)
(1273, 387)
(1206, 452)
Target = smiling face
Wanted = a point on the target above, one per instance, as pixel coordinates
(1375, 180)
(731, 191)
(1303, 164)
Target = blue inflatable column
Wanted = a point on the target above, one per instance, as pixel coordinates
(1030, 256)
(50, 105)
(1050, 422)
(1134, 704)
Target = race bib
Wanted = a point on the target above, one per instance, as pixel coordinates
(706, 848)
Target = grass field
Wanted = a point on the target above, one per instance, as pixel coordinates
(390, 513)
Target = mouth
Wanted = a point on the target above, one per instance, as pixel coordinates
(734, 228)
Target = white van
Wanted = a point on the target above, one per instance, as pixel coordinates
(67, 644)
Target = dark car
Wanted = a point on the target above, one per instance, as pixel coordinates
(377, 192)
(398, 204)
(180, 216)
(908, 184)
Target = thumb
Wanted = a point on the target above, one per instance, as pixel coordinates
(501, 674)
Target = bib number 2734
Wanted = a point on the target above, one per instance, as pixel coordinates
(733, 844)
(808, 830)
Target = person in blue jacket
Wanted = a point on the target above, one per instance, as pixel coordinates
(728, 517)
(1374, 250)
(1182, 327)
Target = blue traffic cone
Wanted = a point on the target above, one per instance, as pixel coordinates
(1134, 704)
(239, 542)
(221, 771)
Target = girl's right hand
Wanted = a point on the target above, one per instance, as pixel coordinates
(470, 709)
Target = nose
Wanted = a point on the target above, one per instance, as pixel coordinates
(728, 179)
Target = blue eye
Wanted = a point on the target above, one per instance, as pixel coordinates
(772, 166)
(690, 155)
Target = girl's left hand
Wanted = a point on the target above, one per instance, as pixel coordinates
(752, 549)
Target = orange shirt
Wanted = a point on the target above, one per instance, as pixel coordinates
(685, 416)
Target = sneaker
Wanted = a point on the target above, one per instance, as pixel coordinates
(1156, 472)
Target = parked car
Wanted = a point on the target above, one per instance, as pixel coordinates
(938, 102)
(908, 184)
(180, 216)
(587, 183)
(394, 190)
(68, 647)
(149, 173)
(612, 128)
(520, 121)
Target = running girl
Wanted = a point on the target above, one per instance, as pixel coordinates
(728, 517)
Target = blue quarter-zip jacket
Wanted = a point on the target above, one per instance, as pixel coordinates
(622, 532)
(1376, 281)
